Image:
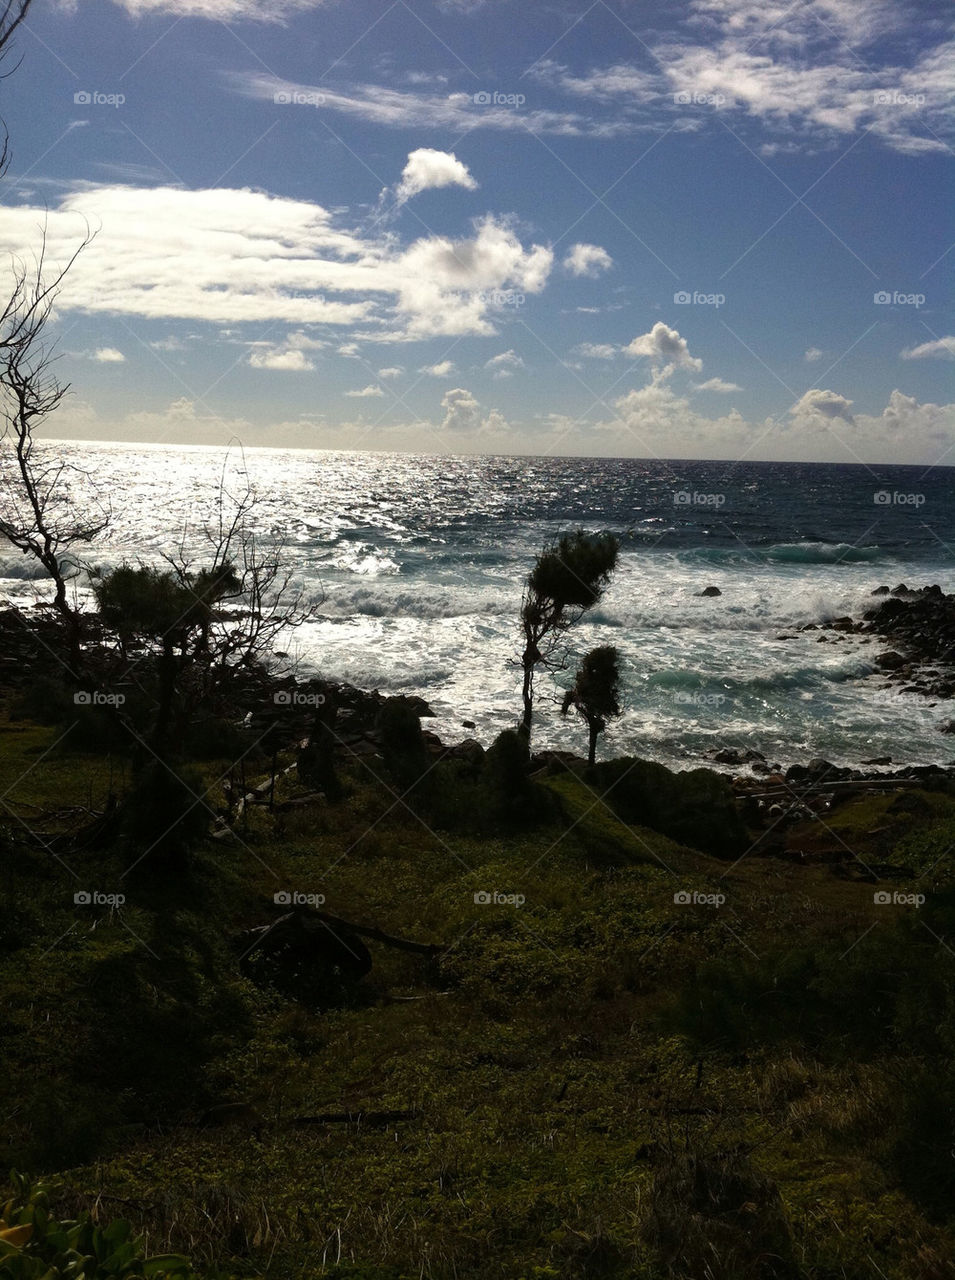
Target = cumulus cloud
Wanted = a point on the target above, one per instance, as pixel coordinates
(428, 170)
(664, 344)
(717, 384)
(108, 355)
(595, 350)
(462, 414)
(823, 404)
(391, 371)
(237, 256)
(443, 369)
(503, 365)
(941, 348)
(366, 393)
(587, 260)
(813, 354)
(283, 361)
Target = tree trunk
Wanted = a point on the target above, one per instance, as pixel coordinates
(528, 696)
(592, 755)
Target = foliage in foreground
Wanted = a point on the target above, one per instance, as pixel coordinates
(34, 1245)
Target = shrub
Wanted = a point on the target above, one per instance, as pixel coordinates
(696, 808)
(36, 1246)
(167, 814)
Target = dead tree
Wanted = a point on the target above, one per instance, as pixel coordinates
(40, 514)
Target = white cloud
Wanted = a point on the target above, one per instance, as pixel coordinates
(220, 10)
(282, 361)
(813, 354)
(391, 371)
(366, 393)
(587, 260)
(943, 348)
(595, 350)
(717, 384)
(824, 404)
(462, 414)
(443, 369)
(383, 105)
(504, 365)
(664, 343)
(108, 355)
(428, 169)
(238, 256)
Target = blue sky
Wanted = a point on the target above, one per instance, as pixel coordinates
(721, 231)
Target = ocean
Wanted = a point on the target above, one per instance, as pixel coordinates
(419, 562)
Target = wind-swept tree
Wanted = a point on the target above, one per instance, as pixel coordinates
(173, 614)
(567, 579)
(595, 694)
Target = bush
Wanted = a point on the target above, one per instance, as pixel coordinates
(36, 1246)
(714, 1215)
(696, 808)
(402, 743)
(166, 815)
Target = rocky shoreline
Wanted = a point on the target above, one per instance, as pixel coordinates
(914, 627)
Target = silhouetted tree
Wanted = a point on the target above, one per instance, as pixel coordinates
(174, 614)
(39, 512)
(568, 578)
(595, 693)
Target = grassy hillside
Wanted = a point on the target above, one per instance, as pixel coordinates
(590, 1078)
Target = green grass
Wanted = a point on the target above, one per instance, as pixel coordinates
(552, 1057)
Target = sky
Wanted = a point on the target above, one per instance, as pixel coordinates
(713, 229)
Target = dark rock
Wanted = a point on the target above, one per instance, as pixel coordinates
(468, 724)
(881, 591)
(879, 760)
(711, 591)
(890, 661)
(947, 726)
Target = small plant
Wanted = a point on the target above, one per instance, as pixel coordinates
(36, 1246)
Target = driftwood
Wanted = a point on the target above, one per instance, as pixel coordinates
(821, 788)
(430, 949)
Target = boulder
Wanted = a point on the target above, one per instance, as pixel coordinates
(711, 591)
(890, 661)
